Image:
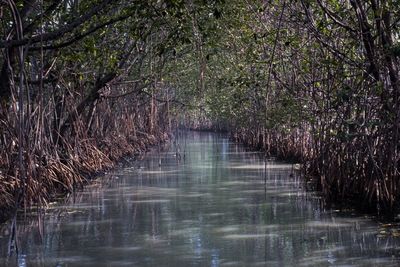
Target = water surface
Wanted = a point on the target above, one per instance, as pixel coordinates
(211, 208)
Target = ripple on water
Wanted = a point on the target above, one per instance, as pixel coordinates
(231, 263)
(249, 236)
(121, 249)
(227, 229)
(161, 172)
(183, 232)
(331, 224)
(149, 201)
(262, 167)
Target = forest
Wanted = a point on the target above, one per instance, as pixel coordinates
(85, 82)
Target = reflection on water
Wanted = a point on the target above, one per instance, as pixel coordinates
(210, 209)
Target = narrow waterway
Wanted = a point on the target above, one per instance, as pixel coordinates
(209, 208)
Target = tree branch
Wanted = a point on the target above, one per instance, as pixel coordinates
(57, 33)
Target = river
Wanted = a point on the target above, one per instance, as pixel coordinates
(213, 207)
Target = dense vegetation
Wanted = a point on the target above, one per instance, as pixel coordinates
(83, 83)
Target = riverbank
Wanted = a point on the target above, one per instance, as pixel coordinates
(60, 175)
(342, 185)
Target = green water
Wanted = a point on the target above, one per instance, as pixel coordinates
(208, 209)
